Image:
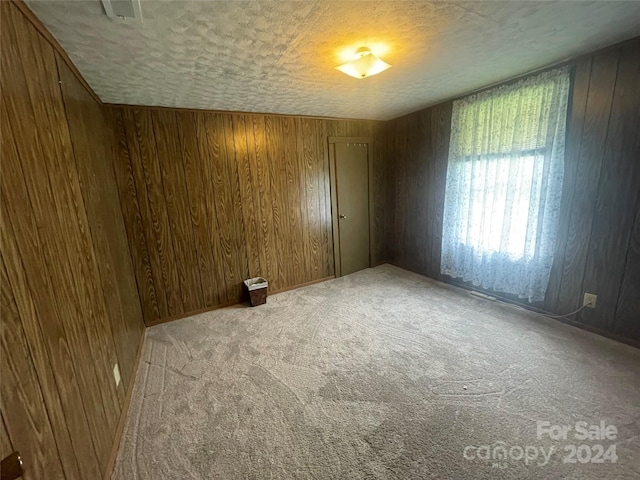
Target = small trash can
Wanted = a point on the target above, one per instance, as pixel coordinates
(257, 288)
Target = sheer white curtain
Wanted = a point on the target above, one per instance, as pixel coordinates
(504, 183)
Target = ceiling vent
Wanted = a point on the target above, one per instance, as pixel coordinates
(122, 9)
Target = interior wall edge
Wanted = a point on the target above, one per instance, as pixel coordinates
(125, 410)
(67, 260)
(567, 61)
(566, 321)
(213, 198)
(598, 238)
(46, 34)
(234, 303)
(235, 112)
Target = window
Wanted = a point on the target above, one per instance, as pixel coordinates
(504, 183)
(495, 193)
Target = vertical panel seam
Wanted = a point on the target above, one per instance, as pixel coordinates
(190, 220)
(114, 116)
(604, 152)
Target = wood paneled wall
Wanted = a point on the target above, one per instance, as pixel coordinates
(70, 307)
(208, 199)
(599, 244)
(418, 151)
(599, 240)
(211, 199)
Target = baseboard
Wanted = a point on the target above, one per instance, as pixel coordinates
(377, 263)
(597, 331)
(160, 321)
(306, 284)
(127, 400)
(531, 308)
(180, 316)
(125, 410)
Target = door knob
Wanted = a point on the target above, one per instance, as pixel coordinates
(11, 467)
(342, 217)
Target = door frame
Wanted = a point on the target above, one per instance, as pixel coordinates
(335, 224)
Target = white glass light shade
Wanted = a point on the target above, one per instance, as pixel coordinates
(365, 65)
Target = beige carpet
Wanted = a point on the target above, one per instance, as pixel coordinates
(381, 374)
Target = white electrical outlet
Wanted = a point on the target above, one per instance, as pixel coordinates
(589, 300)
(116, 374)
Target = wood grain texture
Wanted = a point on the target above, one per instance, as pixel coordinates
(93, 141)
(360, 122)
(157, 204)
(66, 215)
(263, 199)
(53, 365)
(384, 192)
(124, 412)
(324, 194)
(273, 142)
(130, 207)
(401, 154)
(239, 250)
(626, 322)
(36, 158)
(48, 345)
(175, 195)
(419, 177)
(294, 186)
(232, 196)
(138, 196)
(594, 134)
(67, 277)
(196, 178)
(581, 75)
(417, 153)
(5, 442)
(604, 176)
(378, 193)
(597, 248)
(241, 147)
(306, 206)
(46, 35)
(441, 122)
(228, 222)
(617, 196)
(22, 400)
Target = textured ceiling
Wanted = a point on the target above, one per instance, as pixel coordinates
(279, 57)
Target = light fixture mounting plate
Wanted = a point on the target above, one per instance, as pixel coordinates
(362, 51)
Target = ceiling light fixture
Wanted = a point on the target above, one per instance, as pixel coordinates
(364, 64)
